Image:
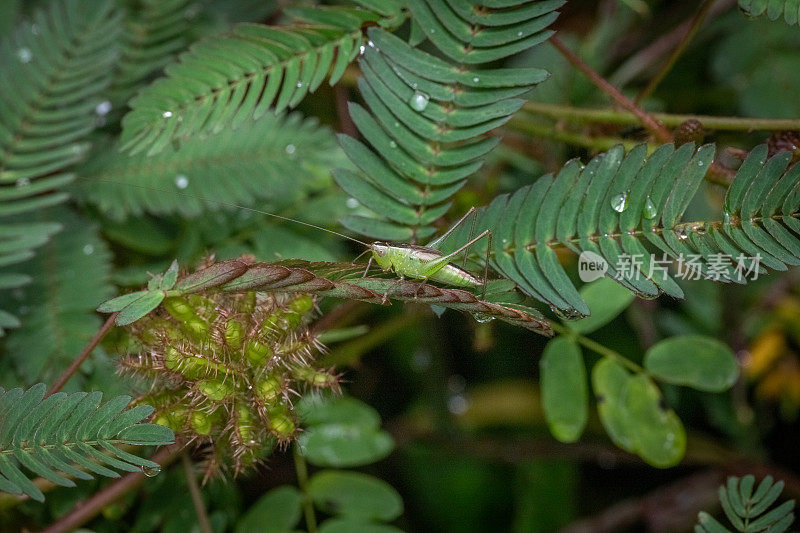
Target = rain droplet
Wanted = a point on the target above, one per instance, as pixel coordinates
(699, 163)
(166, 114)
(419, 101)
(103, 108)
(393, 144)
(23, 182)
(458, 404)
(290, 148)
(299, 84)
(370, 44)
(649, 210)
(726, 217)
(352, 203)
(181, 181)
(620, 202)
(88, 249)
(361, 49)
(519, 34)
(482, 317)
(476, 79)
(24, 55)
(433, 30)
(151, 471)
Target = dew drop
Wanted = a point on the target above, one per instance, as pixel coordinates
(433, 30)
(361, 50)
(370, 44)
(476, 79)
(103, 108)
(699, 163)
(166, 114)
(23, 182)
(482, 317)
(419, 101)
(352, 203)
(290, 148)
(24, 55)
(299, 84)
(620, 202)
(457, 404)
(519, 34)
(649, 210)
(181, 181)
(88, 249)
(393, 144)
(151, 471)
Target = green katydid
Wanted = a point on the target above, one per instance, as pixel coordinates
(406, 260)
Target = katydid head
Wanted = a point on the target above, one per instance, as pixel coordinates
(380, 253)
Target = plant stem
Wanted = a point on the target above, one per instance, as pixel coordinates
(697, 21)
(302, 480)
(197, 497)
(648, 121)
(85, 353)
(88, 509)
(610, 116)
(598, 144)
(596, 347)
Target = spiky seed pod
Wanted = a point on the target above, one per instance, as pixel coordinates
(689, 131)
(221, 369)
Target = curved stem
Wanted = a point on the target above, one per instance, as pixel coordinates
(197, 497)
(697, 21)
(85, 353)
(582, 115)
(661, 133)
(596, 347)
(302, 480)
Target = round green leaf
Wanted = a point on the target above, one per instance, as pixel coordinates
(697, 361)
(353, 494)
(657, 433)
(351, 525)
(277, 511)
(606, 299)
(344, 445)
(565, 396)
(315, 409)
(609, 380)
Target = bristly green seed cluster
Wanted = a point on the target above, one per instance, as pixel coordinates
(223, 369)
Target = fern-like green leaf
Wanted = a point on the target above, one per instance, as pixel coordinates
(71, 276)
(746, 509)
(271, 158)
(429, 118)
(620, 208)
(70, 433)
(774, 9)
(155, 31)
(229, 79)
(54, 69)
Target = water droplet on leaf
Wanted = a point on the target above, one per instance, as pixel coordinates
(23, 182)
(88, 249)
(290, 148)
(103, 108)
(166, 114)
(393, 144)
(649, 210)
(181, 181)
(620, 202)
(151, 471)
(419, 101)
(24, 55)
(482, 317)
(352, 203)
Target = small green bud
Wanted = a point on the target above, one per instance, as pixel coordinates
(197, 327)
(200, 422)
(302, 304)
(179, 308)
(281, 425)
(234, 333)
(257, 352)
(269, 388)
(244, 424)
(215, 389)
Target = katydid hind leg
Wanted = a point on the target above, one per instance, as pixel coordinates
(436, 242)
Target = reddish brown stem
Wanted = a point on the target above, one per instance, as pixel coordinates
(85, 353)
(88, 509)
(648, 121)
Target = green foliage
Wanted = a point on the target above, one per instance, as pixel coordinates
(429, 118)
(632, 204)
(696, 361)
(54, 69)
(255, 69)
(565, 396)
(747, 509)
(274, 158)
(46, 435)
(790, 9)
(57, 307)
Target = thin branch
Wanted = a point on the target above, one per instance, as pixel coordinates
(582, 115)
(302, 480)
(85, 353)
(648, 121)
(197, 497)
(88, 509)
(694, 26)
